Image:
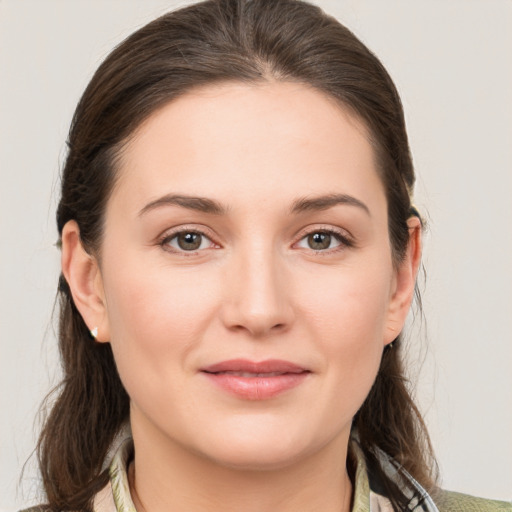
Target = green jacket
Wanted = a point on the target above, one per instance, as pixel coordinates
(457, 502)
(367, 500)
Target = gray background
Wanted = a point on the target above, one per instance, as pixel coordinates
(452, 62)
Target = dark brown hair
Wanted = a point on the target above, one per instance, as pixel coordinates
(216, 41)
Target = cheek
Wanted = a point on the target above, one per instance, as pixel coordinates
(156, 317)
(349, 305)
(346, 313)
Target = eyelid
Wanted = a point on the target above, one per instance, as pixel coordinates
(343, 236)
(171, 233)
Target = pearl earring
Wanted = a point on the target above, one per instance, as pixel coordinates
(94, 332)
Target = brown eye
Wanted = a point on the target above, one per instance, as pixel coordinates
(323, 241)
(319, 241)
(188, 241)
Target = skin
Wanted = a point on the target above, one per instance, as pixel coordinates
(255, 289)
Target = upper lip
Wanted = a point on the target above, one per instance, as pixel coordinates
(244, 365)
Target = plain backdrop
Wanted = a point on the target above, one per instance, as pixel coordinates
(452, 63)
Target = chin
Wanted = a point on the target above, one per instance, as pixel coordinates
(259, 457)
(259, 447)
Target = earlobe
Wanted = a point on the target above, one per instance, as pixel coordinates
(404, 282)
(83, 276)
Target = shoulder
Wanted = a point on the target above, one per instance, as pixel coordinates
(37, 508)
(448, 501)
(41, 508)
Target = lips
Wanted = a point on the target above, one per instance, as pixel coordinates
(251, 374)
(252, 380)
(245, 366)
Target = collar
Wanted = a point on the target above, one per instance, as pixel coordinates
(115, 496)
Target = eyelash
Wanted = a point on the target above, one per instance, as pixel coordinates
(165, 240)
(344, 240)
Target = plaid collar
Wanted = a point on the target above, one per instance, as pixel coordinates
(366, 488)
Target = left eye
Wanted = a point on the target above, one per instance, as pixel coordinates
(188, 241)
(320, 241)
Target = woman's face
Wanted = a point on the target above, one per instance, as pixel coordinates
(246, 274)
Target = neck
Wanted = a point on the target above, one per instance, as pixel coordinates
(175, 479)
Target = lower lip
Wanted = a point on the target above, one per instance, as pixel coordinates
(257, 388)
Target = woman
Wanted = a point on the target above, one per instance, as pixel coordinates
(239, 253)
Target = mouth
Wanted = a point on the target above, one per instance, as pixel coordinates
(252, 380)
(250, 374)
(244, 366)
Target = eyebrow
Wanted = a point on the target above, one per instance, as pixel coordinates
(206, 205)
(201, 204)
(326, 202)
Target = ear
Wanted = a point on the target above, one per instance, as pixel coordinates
(404, 282)
(83, 276)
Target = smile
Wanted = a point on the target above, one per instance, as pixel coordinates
(252, 375)
(251, 380)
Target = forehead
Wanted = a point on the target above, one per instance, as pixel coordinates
(239, 142)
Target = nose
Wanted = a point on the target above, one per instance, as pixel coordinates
(257, 297)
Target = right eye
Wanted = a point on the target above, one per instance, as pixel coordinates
(188, 241)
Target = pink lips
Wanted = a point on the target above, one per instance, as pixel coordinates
(256, 380)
